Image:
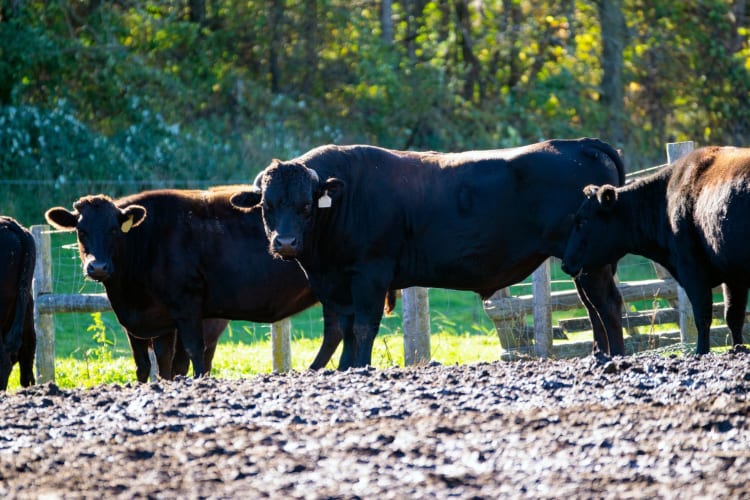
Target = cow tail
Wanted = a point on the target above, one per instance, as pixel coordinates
(614, 155)
(617, 160)
(610, 154)
(15, 335)
(390, 301)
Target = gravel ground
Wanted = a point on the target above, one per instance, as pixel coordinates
(648, 426)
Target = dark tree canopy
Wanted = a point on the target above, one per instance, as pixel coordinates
(174, 90)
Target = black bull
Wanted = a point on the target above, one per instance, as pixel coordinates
(361, 219)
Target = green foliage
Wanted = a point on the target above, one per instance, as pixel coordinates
(103, 351)
(138, 94)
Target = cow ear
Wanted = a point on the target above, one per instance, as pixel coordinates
(131, 217)
(259, 177)
(607, 196)
(62, 218)
(590, 190)
(246, 199)
(330, 192)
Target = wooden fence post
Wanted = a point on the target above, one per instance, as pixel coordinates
(415, 304)
(688, 331)
(44, 323)
(510, 330)
(542, 313)
(281, 349)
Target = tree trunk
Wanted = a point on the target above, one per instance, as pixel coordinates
(197, 11)
(467, 50)
(386, 20)
(613, 29)
(413, 10)
(276, 47)
(513, 18)
(311, 40)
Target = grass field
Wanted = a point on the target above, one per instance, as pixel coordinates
(92, 348)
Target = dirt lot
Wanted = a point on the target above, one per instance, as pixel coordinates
(594, 427)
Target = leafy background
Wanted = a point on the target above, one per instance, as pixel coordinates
(117, 96)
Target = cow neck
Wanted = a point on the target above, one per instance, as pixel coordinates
(323, 245)
(134, 256)
(644, 206)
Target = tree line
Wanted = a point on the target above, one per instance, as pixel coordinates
(149, 92)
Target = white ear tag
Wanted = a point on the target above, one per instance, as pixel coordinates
(127, 224)
(324, 201)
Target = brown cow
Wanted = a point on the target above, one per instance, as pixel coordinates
(691, 217)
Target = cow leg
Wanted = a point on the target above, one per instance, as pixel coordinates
(212, 330)
(208, 355)
(332, 335)
(348, 353)
(139, 348)
(28, 349)
(164, 351)
(365, 334)
(190, 331)
(702, 301)
(602, 299)
(735, 300)
(6, 366)
(367, 295)
(181, 361)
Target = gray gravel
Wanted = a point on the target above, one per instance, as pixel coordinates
(649, 426)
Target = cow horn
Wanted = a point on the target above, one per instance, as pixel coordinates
(314, 175)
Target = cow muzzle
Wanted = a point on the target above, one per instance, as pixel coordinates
(97, 270)
(286, 247)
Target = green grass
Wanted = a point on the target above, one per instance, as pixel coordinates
(240, 360)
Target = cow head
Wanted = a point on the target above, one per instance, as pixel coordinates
(101, 225)
(592, 241)
(291, 196)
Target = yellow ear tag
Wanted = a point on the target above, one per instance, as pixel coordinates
(324, 201)
(127, 224)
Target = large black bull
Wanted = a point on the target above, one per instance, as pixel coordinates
(168, 259)
(691, 217)
(18, 336)
(361, 219)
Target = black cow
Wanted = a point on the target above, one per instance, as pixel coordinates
(361, 219)
(691, 217)
(170, 258)
(18, 341)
